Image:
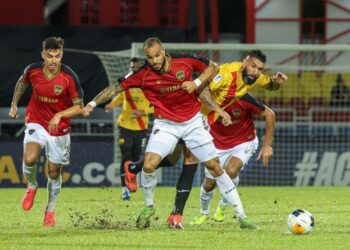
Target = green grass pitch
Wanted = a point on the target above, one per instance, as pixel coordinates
(96, 218)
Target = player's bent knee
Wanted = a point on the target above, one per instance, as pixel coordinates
(29, 160)
(54, 174)
(233, 173)
(214, 167)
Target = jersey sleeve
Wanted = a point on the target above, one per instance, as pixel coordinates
(251, 103)
(199, 63)
(26, 72)
(75, 91)
(263, 81)
(132, 80)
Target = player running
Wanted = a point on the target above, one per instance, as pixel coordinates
(57, 96)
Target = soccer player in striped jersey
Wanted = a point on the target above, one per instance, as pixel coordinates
(132, 124)
(57, 96)
(237, 78)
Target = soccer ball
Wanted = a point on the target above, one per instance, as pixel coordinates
(300, 222)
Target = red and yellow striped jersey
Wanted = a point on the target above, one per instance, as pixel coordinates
(228, 86)
(125, 119)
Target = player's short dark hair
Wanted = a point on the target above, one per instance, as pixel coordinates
(151, 41)
(136, 59)
(53, 43)
(257, 54)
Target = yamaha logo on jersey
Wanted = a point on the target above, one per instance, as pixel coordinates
(180, 75)
(236, 112)
(58, 89)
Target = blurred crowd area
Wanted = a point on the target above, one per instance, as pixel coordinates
(307, 90)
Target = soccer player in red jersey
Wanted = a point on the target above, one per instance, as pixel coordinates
(57, 97)
(236, 144)
(163, 80)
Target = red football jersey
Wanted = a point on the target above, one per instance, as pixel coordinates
(163, 89)
(242, 128)
(51, 96)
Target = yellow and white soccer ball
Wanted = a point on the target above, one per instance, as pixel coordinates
(300, 221)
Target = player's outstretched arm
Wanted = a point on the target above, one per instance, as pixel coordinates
(19, 90)
(266, 151)
(277, 80)
(207, 99)
(104, 96)
(206, 76)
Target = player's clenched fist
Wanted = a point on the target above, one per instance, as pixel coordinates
(87, 110)
(188, 86)
(13, 112)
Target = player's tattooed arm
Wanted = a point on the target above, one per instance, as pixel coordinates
(107, 94)
(21, 86)
(78, 102)
(104, 96)
(207, 75)
(207, 99)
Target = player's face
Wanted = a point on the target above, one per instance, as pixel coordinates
(155, 56)
(52, 58)
(252, 68)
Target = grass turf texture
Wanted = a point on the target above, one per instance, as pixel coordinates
(96, 218)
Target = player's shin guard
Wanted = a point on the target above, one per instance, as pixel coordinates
(148, 184)
(206, 198)
(183, 187)
(30, 173)
(53, 188)
(230, 193)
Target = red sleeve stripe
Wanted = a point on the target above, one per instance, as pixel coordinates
(231, 91)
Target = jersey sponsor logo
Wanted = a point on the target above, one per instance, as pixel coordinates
(217, 78)
(46, 99)
(180, 75)
(58, 89)
(170, 89)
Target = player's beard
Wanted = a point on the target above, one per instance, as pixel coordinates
(248, 80)
(162, 68)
